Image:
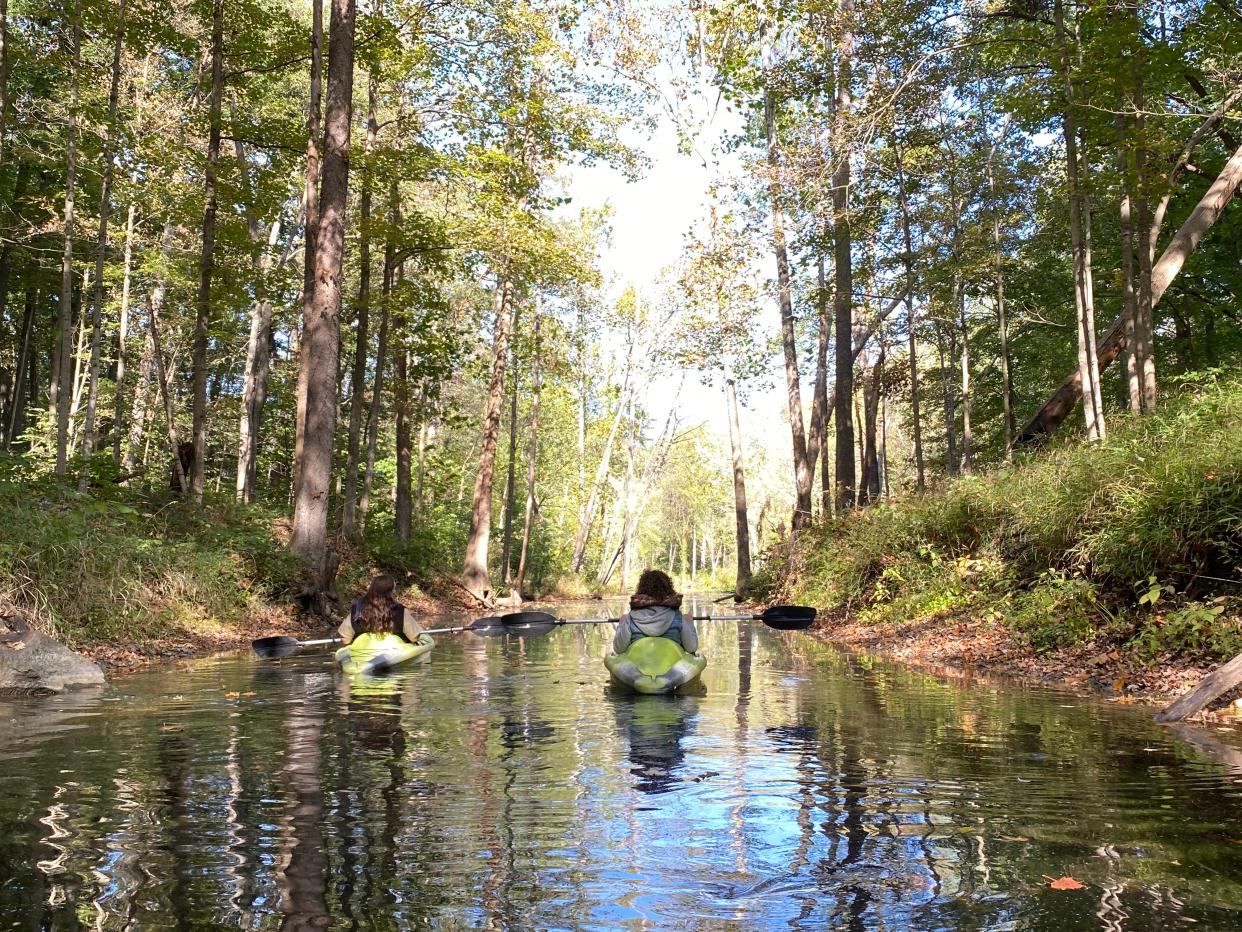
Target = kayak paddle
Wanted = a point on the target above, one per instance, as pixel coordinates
(272, 648)
(537, 624)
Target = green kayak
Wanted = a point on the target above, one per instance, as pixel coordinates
(655, 665)
(378, 653)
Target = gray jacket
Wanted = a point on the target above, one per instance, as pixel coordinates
(653, 622)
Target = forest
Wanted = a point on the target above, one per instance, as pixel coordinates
(297, 288)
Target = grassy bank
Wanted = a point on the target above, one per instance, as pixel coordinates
(127, 575)
(1119, 549)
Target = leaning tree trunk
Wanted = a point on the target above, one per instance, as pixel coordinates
(475, 575)
(843, 299)
(532, 454)
(321, 330)
(361, 335)
(62, 383)
(1058, 407)
(202, 316)
(101, 245)
(601, 472)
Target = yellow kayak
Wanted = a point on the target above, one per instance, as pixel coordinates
(378, 653)
(655, 665)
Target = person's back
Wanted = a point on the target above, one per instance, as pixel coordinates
(655, 611)
(380, 615)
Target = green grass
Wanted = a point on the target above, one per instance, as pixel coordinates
(1062, 545)
(86, 568)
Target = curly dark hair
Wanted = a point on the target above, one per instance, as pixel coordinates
(373, 613)
(655, 584)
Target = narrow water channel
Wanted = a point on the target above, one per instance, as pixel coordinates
(504, 784)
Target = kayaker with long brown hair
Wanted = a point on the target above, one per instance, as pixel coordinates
(655, 612)
(379, 612)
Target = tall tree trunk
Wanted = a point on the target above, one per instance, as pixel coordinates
(802, 471)
(1002, 318)
(62, 386)
(4, 75)
(155, 306)
(381, 356)
(361, 335)
(843, 311)
(138, 413)
(101, 244)
(532, 458)
(911, 333)
(254, 383)
(24, 362)
(122, 334)
(1082, 294)
(202, 316)
(741, 586)
(506, 547)
(475, 575)
(968, 434)
(820, 410)
(871, 444)
(1129, 298)
(1148, 231)
(321, 330)
(310, 235)
(79, 374)
(601, 473)
(950, 401)
(1093, 358)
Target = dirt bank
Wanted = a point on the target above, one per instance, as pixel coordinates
(973, 647)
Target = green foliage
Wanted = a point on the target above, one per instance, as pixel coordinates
(1063, 545)
(127, 567)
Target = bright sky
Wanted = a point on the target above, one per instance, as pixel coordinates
(651, 219)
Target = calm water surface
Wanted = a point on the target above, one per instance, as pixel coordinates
(503, 784)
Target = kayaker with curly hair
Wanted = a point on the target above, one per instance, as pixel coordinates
(379, 612)
(655, 611)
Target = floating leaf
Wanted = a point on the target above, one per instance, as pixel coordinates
(1066, 883)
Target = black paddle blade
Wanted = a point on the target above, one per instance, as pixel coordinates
(273, 647)
(529, 624)
(788, 617)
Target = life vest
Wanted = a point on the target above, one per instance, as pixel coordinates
(396, 618)
(673, 632)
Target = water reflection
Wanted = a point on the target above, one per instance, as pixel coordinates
(503, 784)
(655, 728)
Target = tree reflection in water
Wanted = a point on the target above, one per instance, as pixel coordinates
(303, 874)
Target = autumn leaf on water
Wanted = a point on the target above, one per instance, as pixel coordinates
(1065, 883)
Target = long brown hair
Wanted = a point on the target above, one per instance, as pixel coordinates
(376, 603)
(655, 588)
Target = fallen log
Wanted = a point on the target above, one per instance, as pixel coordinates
(1220, 680)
